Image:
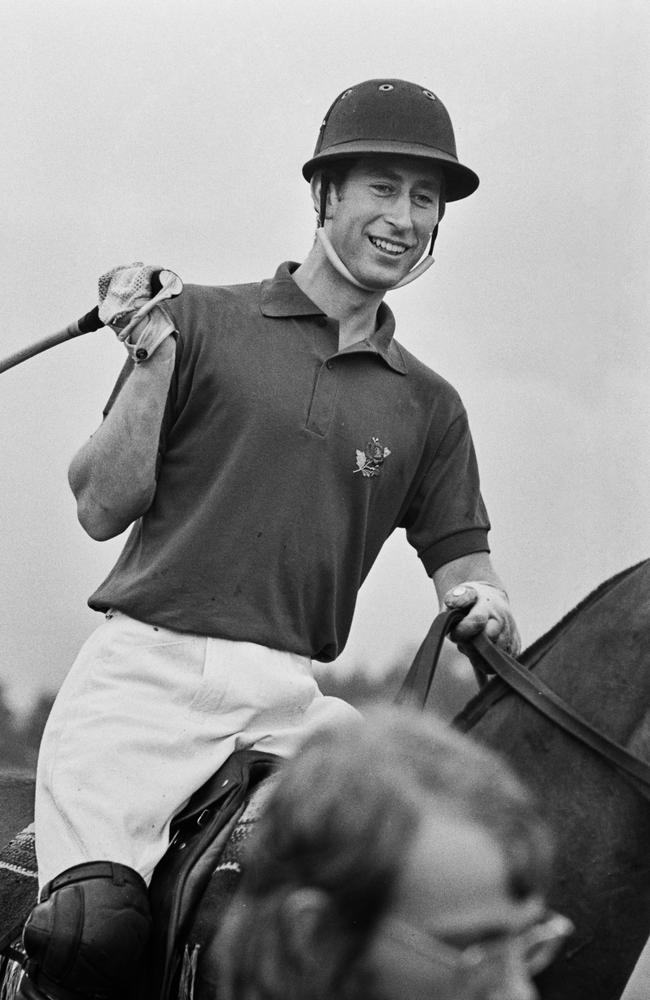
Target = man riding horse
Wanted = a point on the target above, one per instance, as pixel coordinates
(262, 453)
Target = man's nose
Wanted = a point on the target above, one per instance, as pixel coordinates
(400, 212)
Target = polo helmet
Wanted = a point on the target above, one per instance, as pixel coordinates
(392, 116)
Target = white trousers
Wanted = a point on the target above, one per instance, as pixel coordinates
(145, 716)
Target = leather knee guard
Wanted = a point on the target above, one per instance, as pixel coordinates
(88, 934)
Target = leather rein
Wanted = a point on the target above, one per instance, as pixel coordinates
(417, 685)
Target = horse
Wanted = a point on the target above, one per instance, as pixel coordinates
(596, 660)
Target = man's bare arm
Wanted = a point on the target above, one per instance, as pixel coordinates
(113, 475)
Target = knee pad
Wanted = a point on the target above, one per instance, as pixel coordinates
(88, 935)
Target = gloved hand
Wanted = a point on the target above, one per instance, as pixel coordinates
(129, 306)
(489, 611)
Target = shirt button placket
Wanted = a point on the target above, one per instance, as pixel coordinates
(323, 398)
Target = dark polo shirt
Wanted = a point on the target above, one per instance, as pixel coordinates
(285, 464)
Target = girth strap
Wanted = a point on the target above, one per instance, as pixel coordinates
(535, 691)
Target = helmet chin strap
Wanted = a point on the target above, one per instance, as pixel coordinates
(339, 266)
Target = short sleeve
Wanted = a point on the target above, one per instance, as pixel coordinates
(446, 518)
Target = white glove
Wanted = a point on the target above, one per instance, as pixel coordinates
(127, 306)
(489, 611)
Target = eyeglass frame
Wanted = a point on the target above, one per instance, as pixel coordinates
(553, 930)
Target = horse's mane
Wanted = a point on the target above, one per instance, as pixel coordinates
(530, 655)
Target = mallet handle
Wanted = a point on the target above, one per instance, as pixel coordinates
(86, 324)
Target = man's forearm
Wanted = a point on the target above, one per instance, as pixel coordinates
(113, 475)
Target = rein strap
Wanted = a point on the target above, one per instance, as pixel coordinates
(416, 687)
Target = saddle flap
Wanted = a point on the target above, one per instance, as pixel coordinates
(199, 834)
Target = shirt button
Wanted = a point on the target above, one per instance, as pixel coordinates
(329, 364)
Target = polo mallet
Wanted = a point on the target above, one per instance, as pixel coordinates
(128, 295)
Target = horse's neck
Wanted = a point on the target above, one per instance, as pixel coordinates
(597, 658)
(538, 649)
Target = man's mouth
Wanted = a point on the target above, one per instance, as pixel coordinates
(388, 246)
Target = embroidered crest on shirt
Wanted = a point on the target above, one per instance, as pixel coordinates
(371, 459)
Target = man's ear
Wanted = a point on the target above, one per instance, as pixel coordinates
(315, 944)
(316, 188)
(305, 915)
(313, 941)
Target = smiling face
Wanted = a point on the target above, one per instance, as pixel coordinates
(381, 217)
(455, 888)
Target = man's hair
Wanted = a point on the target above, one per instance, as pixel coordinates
(341, 821)
(335, 176)
(337, 173)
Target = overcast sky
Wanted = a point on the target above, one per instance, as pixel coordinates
(174, 133)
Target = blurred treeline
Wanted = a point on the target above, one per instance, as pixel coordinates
(454, 684)
(21, 735)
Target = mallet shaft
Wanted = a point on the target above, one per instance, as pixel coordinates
(86, 324)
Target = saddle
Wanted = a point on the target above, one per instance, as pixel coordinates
(191, 888)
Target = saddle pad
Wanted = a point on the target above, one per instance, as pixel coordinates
(18, 884)
(227, 873)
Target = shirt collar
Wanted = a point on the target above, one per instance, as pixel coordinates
(281, 297)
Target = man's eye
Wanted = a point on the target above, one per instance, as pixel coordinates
(382, 188)
(423, 201)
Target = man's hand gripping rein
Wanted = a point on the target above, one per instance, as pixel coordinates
(488, 611)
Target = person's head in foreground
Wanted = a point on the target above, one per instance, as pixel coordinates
(396, 860)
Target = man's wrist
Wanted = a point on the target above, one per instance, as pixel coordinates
(484, 583)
